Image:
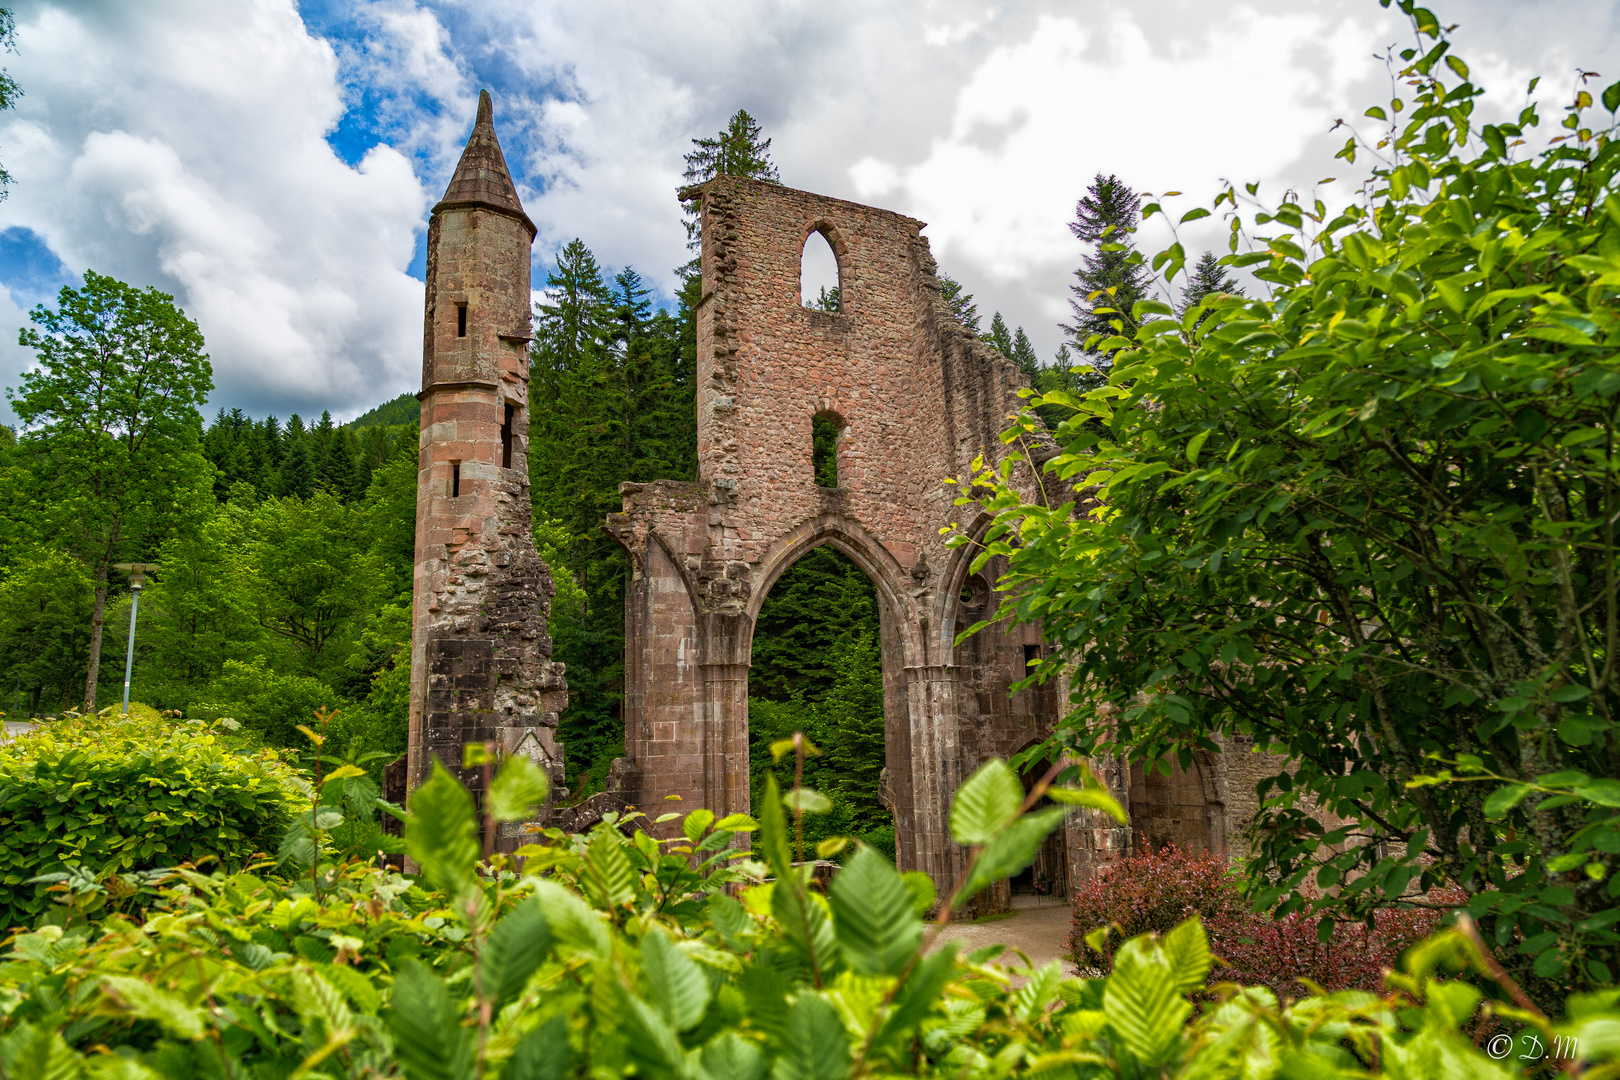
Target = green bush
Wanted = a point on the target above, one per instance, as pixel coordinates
(263, 702)
(109, 795)
(614, 955)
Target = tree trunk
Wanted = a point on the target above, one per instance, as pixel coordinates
(98, 617)
(96, 621)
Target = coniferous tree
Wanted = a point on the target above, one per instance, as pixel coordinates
(736, 151)
(296, 474)
(1023, 354)
(960, 301)
(1208, 278)
(998, 336)
(1110, 279)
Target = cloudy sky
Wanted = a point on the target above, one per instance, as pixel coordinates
(271, 163)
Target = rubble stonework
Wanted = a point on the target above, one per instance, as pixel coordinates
(918, 397)
(481, 668)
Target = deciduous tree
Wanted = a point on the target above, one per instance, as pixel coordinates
(112, 421)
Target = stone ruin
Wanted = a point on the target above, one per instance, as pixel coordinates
(915, 396)
(481, 667)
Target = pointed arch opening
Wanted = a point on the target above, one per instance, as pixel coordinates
(820, 282)
(818, 666)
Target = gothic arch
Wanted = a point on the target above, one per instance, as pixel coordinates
(919, 398)
(865, 552)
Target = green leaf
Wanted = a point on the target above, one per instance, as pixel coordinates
(731, 1057)
(807, 801)
(575, 925)
(1031, 1000)
(773, 833)
(807, 926)
(429, 1041)
(1504, 799)
(816, 1046)
(1187, 949)
(1142, 1004)
(1611, 97)
(1602, 792)
(514, 949)
(985, 803)
(1195, 444)
(518, 788)
(675, 984)
(651, 1044)
(140, 998)
(696, 823)
(1094, 798)
(1194, 215)
(872, 912)
(923, 893)
(917, 995)
(43, 1055)
(609, 877)
(1012, 850)
(440, 833)
(542, 1054)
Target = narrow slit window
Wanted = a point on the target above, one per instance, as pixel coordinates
(824, 432)
(455, 479)
(1032, 656)
(461, 320)
(506, 437)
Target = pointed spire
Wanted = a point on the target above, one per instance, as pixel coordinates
(481, 177)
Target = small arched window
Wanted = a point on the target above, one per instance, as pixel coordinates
(819, 283)
(824, 434)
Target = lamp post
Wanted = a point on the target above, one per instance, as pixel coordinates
(137, 577)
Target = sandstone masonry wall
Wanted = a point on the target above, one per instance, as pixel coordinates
(481, 668)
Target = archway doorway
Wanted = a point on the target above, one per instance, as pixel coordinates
(1172, 805)
(817, 667)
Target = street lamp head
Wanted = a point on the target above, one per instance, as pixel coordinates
(137, 571)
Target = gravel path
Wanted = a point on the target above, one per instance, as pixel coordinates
(1039, 925)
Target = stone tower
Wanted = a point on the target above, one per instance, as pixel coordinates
(481, 668)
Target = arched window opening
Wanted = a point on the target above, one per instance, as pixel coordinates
(975, 595)
(819, 283)
(824, 434)
(817, 667)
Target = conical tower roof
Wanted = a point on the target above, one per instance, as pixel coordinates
(482, 178)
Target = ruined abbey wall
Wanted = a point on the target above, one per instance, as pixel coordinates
(918, 397)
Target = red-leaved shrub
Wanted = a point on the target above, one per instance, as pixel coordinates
(1155, 891)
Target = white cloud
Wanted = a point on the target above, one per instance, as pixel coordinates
(183, 145)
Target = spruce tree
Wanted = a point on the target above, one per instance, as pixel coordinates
(1108, 283)
(959, 300)
(1023, 354)
(737, 150)
(1208, 278)
(296, 473)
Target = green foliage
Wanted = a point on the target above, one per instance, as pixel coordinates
(105, 796)
(611, 391)
(1367, 521)
(1111, 279)
(46, 598)
(403, 411)
(112, 423)
(542, 974)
